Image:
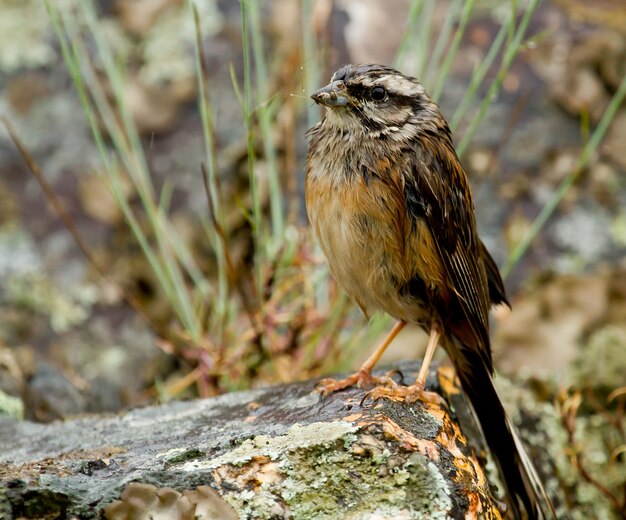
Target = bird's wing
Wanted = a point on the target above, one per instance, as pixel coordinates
(497, 293)
(438, 193)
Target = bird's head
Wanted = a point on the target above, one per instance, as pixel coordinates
(376, 100)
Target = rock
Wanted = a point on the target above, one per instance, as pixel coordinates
(50, 395)
(277, 452)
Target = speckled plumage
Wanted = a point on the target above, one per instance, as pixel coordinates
(392, 209)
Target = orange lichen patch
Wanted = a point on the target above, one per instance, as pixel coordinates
(259, 470)
(478, 509)
(408, 441)
(479, 473)
(253, 405)
(437, 411)
(448, 380)
(250, 418)
(367, 445)
(449, 436)
(468, 470)
(450, 443)
(353, 418)
(269, 474)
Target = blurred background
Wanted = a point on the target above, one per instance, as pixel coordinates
(125, 279)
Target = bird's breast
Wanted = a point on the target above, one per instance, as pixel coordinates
(363, 230)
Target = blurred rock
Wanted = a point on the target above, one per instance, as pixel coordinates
(552, 321)
(114, 363)
(368, 17)
(24, 35)
(279, 452)
(138, 16)
(12, 377)
(611, 13)
(581, 68)
(583, 234)
(602, 364)
(50, 396)
(157, 108)
(11, 406)
(26, 89)
(615, 142)
(97, 200)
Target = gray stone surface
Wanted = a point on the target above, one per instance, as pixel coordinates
(273, 453)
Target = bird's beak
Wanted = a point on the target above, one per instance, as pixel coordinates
(332, 95)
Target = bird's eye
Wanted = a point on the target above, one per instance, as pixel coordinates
(378, 93)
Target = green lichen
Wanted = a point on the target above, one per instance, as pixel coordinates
(65, 309)
(321, 471)
(185, 455)
(297, 437)
(42, 503)
(24, 35)
(333, 485)
(602, 364)
(11, 406)
(618, 229)
(594, 436)
(167, 46)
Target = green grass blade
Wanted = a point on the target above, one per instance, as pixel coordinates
(265, 121)
(590, 147)
(423, 37)
(219, 303)
(511, 51)
(311, 62)
(434, 62)
(478, 76)
(415, 10)
(257, 231)
(444, 71)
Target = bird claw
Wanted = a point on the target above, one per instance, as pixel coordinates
(329, 385)
(383, 387)
(361, 379)
(410, 394)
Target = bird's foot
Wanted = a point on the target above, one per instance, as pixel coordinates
(410, 394)
(362, 379)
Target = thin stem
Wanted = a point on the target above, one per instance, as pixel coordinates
(442, 42)
(247, 113)
(265, 121)
(520, 249)
(510, 53)
(479, 75)
(208, 130)
(413, 19)
(452, 51)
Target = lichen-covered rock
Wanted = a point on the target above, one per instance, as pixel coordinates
(272, 453)
(283, 452)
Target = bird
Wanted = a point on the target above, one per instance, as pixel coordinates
(391, 207)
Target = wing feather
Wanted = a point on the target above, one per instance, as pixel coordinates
(441, 197)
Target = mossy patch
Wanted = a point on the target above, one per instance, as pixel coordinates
(331, 485)
(321, 471)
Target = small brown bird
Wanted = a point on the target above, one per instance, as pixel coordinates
(392, 210)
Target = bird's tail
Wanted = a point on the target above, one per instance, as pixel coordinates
(516, 469)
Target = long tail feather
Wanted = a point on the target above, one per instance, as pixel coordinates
(522, 483)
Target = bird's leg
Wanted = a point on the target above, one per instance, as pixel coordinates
(433, 341)
(364, 376)
(416, 390)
